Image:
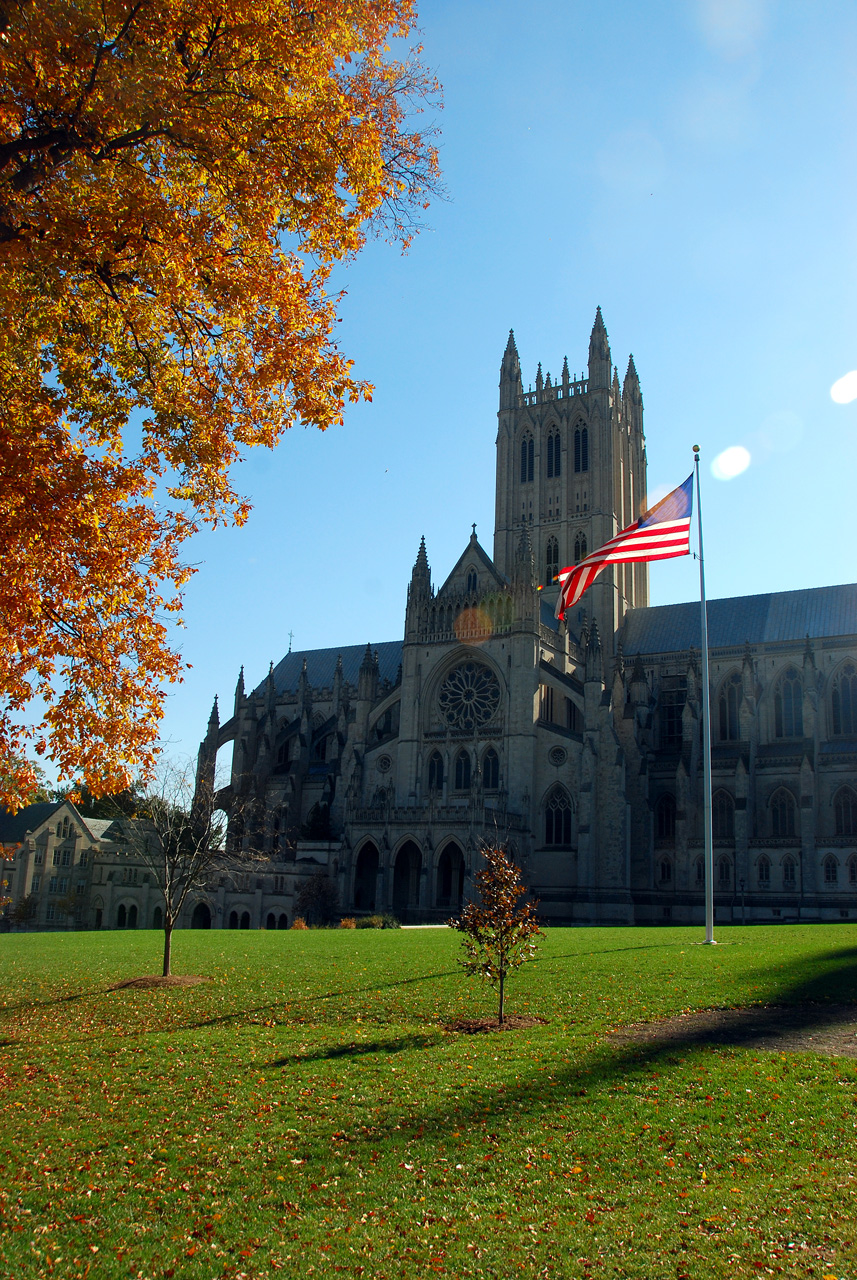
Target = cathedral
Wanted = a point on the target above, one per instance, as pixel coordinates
(578, 745)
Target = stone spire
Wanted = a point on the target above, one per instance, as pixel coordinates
(214, 718)
(510, 375)
(421, 571)
(600, 362)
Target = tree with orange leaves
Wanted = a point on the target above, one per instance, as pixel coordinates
(177, 179)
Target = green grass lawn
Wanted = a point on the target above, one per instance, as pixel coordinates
(306, 1113)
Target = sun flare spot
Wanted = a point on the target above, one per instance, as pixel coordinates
(731, 462)
(844, 389)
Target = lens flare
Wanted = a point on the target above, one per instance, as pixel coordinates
(844, 389)
(731, 462)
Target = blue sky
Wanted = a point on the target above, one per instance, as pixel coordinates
(689, 166)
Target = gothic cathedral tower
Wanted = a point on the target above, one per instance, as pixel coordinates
(571, 466)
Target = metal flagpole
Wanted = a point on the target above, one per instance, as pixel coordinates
(706, 727)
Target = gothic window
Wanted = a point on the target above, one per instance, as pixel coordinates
(724, 873)
(472, 582)
(551, 561)
(671, 699)
(764, 873)
(665, 820)
(831, 870)
(554, 455)
(788, 873)
(852, 870)
(491, 770)
(462, 771)
(665, 871)
(782, 814)
(700, 871)
(581, 449)
(469, 696)
(319, 751)
(788, 706)
(844, 701)
(435, 780)
(723, 816)
(546, 703)
(728, 704)
(558, 818)
(579, 548)
(527, 459)
(845, 810)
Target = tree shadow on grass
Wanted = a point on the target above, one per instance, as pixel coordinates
(805, 1020)
(354, 1049)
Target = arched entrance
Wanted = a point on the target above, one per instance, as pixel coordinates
(245, 919)
(271, 921)
(132, 916)
(201, 918)
(283, 922)
(450, 878)
(157, 918)
(233, 919)
(121, 916)
(406, 879)
(366, 878)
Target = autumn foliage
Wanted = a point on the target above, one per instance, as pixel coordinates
(176, 181)
(499, 931)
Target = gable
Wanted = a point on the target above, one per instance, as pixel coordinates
(473, 560)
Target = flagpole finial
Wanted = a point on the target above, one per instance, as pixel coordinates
(696, 448)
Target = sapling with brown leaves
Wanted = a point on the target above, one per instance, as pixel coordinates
(499, 931)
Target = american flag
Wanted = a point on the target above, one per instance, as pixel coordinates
(659, 534)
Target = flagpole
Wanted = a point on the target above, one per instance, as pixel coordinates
(706, 727)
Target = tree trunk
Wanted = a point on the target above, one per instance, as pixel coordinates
(502, 984)
(168, 942)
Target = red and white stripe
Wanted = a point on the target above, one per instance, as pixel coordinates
(659, 541)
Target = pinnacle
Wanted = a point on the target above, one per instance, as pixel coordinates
(511, 349)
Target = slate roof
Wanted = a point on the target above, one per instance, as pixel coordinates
(765, 619)
(14, 826)
(321, 664)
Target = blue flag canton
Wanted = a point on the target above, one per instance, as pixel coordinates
(677, 505)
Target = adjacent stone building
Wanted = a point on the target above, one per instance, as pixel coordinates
(578, 744)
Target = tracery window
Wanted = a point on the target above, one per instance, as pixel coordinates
(581, 449)
(551, 561)
(672, 696)
(579, 548)
(724, 873)
(700, 871)
(728, 705)
(491, 770)
(788, 873)
(764, 873)
(788, 706)
(782, 814)
(554, 454)
(831, 870)
(845, 811)
(723, 816)
(462, 771)
(472, 582)
(435, 775)
(469, 696)
(843, 701)
(665, 820)
(666, 871)
(852, 870)
(527, 459)
(558, 818)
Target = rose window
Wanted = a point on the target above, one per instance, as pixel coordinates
(469, 696)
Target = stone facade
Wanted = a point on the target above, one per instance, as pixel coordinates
(578, 744)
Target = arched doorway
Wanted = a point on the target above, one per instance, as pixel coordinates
(233, 919)
(245, 919)
(366, 878)
(157, 918)
(201, 918)
(132, 916)
(121, 916)
(406, 878)
(450, 878)
(271, 921)
(283, 922)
